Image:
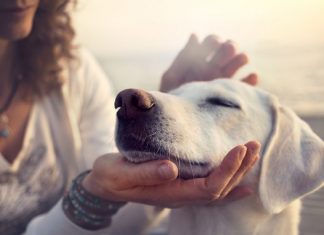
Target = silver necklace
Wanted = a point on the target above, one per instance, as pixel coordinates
(4, 119)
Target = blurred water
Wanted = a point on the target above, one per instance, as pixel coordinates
(294, 74)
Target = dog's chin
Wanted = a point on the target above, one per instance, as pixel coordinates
(187, 169)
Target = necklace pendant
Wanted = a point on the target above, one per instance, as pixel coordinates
(4, 127)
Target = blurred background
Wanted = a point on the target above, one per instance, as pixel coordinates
(135, 41)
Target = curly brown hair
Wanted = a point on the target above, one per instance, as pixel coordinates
(49, 43)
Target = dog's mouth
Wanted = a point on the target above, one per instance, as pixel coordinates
(138, 151)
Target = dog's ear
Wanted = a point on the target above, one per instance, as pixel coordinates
(292, 163)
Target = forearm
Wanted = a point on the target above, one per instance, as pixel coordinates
(56, 222)
(77, 213)
(130, 220)
(86, 209)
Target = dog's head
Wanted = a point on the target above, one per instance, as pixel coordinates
(198, 123)
(195, 125)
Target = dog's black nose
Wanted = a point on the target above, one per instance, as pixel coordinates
(133, 103)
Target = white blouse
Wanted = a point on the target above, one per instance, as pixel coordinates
(66, 131)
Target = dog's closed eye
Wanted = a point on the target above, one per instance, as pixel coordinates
(222, 102)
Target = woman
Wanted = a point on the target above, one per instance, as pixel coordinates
(56, 119)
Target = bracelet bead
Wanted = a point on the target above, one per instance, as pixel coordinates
(87, 210)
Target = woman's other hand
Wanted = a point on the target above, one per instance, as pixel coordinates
(156, 182)
(205, 61)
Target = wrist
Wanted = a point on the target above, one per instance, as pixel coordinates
(86, 209)
(93, 186)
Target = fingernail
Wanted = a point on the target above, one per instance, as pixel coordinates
(165, 171)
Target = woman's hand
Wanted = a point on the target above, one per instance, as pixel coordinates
(156, 182)
(205, 61)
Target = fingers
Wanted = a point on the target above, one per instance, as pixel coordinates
(183, 60)
(223, 179)
(201, 190)
(250, 159)
(159, 188)
(235, 64)
(175, 75)
(209, 46)
(189, 51)
(118, 174)
(192, 42)
(252, 79)
(205, 61)
(221, 176)
(225, 53)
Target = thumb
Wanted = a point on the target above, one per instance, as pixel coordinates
(128, 175)
(149, 173)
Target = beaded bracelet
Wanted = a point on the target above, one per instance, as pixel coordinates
(87, 210)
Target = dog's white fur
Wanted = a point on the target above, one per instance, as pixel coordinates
(195, 130)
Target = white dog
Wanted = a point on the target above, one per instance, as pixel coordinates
(197, 124)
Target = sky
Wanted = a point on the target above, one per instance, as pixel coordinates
(153, 26)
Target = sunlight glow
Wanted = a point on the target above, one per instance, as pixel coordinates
(127, 26)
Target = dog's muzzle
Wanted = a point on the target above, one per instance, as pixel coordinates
(138, 117)
(143, 133)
